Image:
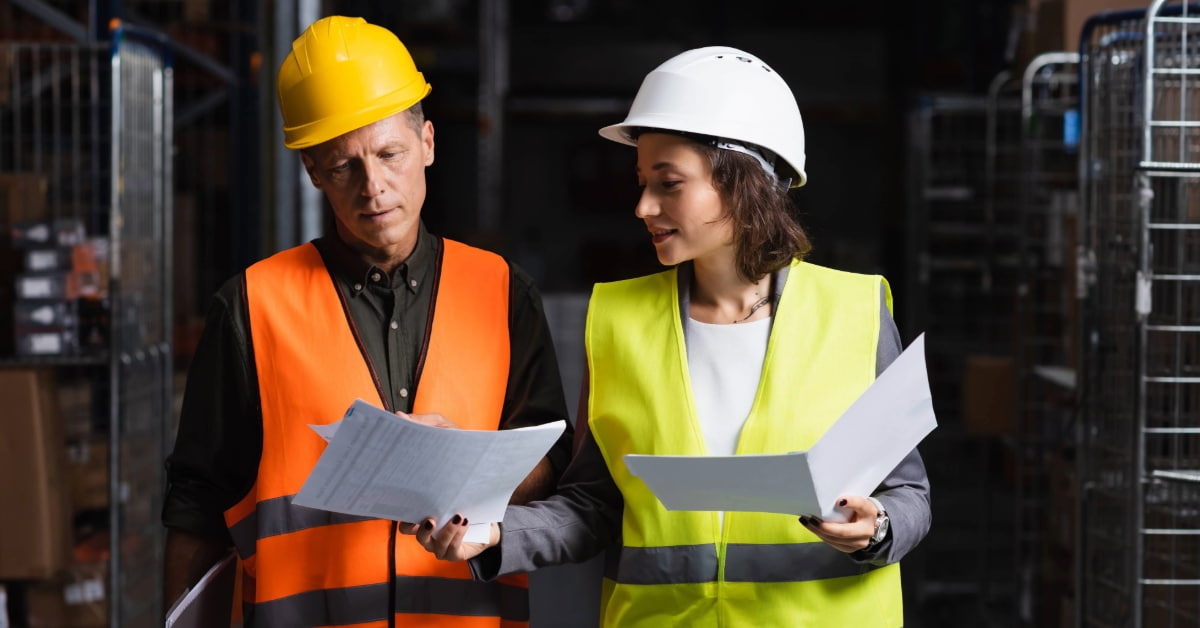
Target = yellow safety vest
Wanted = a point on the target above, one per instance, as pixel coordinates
(684, 568)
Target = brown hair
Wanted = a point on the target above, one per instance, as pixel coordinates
(766, 233)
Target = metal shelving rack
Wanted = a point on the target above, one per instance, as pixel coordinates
(963, 164)
(1045, 247)
(96, 120)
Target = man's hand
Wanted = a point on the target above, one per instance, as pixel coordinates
(447, 543)
(436, 420)
(851, 536)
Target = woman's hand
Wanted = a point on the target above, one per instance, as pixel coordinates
(436, 420)
(447, 543)
(851, 536)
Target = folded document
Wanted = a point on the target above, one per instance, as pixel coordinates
(381, 465)
(857, 453)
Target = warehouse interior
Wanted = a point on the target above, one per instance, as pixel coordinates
(1021, 171)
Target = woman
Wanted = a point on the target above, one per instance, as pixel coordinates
(740, 347)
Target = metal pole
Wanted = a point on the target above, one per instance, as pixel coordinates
(493, 91)
(297, 205)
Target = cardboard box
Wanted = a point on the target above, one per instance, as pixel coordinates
(22, 198)
(1062, 480)
(989, 395)
(75, 598)
(47, 259)
(61, 285)
(1075, 14)
(34, 533)
(34, 342)
(6, 63)
(40, 313)
(1056, 25)
(76, 407)
(87, 470)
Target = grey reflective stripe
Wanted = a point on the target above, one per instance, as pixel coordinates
(792, 562)
(435, 596)
(675, 564)
(277, 516)
(691, 564)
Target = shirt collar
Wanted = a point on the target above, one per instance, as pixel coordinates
(350, 267)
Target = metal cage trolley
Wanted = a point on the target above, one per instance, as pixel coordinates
(95, 121)
(1141, 318)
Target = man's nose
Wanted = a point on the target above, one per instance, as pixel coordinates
(373, 179)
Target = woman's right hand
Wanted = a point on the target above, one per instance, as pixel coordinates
(447, 543)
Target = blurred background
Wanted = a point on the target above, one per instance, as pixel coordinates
(1021, 171)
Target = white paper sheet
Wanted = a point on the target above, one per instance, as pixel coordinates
(210, 602)
(878, 430)
(380, 465)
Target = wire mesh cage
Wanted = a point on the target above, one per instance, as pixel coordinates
(141, 365)
(1142, 317)
(1172, 549)
(1045, 294)
(93, 122)
(965, 156)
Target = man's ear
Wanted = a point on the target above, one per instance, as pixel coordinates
(310, 167)
(427, 139)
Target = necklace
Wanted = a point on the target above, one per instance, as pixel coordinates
(754, 308)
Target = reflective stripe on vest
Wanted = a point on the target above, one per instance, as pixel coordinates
(689, 568)
(314, 568)
(428, 596)
(694, 564)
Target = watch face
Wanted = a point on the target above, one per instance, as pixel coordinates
(881, 529)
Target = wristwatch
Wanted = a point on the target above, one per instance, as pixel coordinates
(882, 523)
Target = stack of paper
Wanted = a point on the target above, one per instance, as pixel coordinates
(380, 465)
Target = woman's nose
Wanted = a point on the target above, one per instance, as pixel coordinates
(647, 205)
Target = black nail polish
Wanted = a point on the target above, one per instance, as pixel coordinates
(842, 503)
(456, 519)
(804, 520)
(466, 523)
(428, 525)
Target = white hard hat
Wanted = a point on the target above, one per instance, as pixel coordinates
(727, 94)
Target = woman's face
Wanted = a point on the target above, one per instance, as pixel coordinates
(683, 212)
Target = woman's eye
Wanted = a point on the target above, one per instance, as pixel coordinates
(669, 184)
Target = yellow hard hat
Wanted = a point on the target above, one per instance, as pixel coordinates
(343, 74)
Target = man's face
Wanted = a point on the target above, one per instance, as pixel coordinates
(374, 178)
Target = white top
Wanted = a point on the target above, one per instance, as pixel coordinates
(725, 363)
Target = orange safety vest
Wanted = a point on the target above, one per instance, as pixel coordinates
(307, 567)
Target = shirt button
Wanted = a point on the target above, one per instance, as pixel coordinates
(394, 325)
(376, 277)
(404, 392)
(412, 282)
(357, 287)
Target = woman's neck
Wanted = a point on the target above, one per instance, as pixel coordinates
(719, 295)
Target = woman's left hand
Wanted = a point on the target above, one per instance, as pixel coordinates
(447, 543)
(851, 536)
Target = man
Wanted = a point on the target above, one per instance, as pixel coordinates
(433, 329)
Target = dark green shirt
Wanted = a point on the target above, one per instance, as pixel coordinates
(219, 441)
